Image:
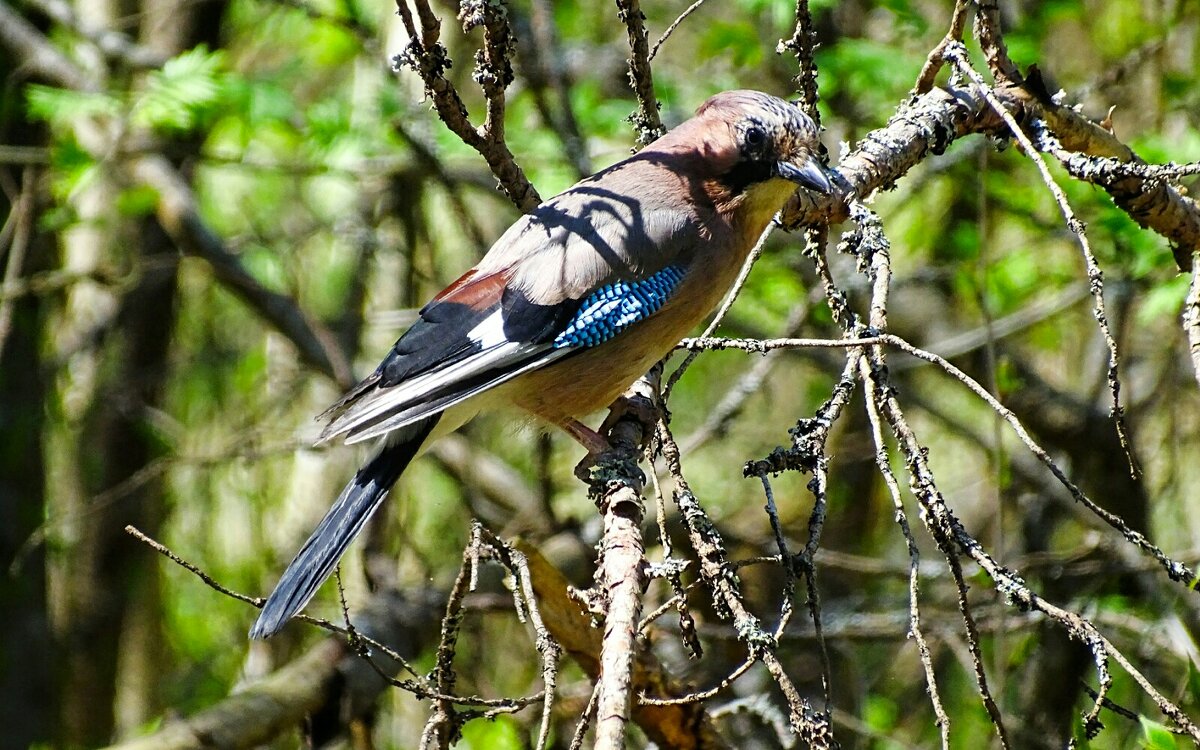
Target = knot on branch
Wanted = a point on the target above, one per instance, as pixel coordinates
(1013, 589)
(594, 602)
(807, 454)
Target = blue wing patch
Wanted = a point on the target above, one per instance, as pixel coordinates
(613, 308)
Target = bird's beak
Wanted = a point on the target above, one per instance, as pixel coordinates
(807, 174)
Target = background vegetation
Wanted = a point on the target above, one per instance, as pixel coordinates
(150, 372)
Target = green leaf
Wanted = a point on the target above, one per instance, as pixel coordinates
(62, 107)
(176, 96)
(1155, 736)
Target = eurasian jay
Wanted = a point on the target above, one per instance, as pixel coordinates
(573, 303)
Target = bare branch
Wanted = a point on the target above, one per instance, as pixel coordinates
(444, 724)
(914, 555)
(803, 44)
(550, 65)
(936, 58)
(179, 214)
(682, 726)
(991, 41)
(426, 55)
(616, 487)
(331, 680)
(113, 44)
(39, 57)
(18, 227)
(931, 122)
(718, 576)
(646, 121)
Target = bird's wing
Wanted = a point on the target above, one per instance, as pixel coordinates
(565, 278)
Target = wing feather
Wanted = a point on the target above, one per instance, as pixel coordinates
(614, 235)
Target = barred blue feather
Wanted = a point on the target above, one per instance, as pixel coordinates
(613, 308)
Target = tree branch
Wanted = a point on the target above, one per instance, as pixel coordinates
(428, 57)
(646, 120)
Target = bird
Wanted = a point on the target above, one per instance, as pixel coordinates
(572, 303)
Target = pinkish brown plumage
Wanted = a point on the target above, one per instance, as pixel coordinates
(570, 305)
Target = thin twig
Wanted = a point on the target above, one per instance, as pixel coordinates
(551, 60)
(991, 40)
(546, 646)
(803, 44)
(735, 290)
(585, 719)
(914, 554)
(936, 57)
(113, 44)
(674, 25)
(957, 54)
(426, 55)
(718, 575)
(21, 220)
(1176, 571)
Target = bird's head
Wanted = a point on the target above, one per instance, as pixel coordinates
(754, 149)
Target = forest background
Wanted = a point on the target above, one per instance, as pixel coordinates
(218, 212)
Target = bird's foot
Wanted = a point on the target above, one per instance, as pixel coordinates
(594, 441)
(636, 407)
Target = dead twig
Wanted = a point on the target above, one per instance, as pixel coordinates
(674, 25)
(936, 57)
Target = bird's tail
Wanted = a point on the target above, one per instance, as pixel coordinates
(353, 508)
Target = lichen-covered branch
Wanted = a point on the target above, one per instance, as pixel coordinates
(646, 120)
(803, 44)
(718, 575)
(616, 487)
(428, 57)
(685, 726)
(931, 122)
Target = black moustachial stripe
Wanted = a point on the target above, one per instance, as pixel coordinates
(745, 173)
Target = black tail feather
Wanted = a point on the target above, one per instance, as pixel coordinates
(350, 512)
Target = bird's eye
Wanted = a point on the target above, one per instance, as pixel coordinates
(755, 137)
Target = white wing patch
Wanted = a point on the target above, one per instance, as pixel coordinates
(490, 331)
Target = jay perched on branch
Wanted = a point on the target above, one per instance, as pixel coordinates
(574, 302)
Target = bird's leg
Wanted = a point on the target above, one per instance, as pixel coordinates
(585, 436)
